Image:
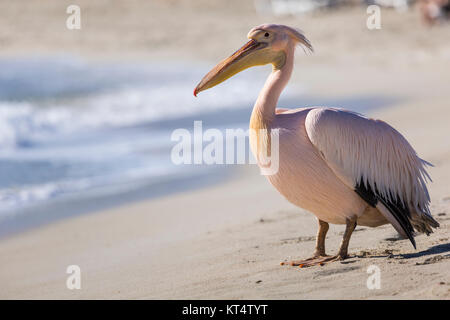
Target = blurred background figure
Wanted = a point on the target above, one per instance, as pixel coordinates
(434, 11)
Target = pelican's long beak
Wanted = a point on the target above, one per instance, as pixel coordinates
(242, 59)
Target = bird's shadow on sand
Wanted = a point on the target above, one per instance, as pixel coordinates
(437, 249)
(440, 248)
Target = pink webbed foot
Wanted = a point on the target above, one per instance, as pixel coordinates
(314, 261)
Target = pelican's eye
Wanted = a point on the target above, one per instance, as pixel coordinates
(266, 34)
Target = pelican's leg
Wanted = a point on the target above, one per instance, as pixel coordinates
(320, 245)
(320, 239)
(343, 250)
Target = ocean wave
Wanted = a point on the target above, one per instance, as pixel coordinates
(74, 128)
(13, 199)
(94, 101)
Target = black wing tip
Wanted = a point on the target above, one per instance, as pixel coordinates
(411, 238)
(395, 206)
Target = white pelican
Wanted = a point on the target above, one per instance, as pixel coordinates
(341, 166)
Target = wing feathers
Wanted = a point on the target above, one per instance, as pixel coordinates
(396, 223)
(375, 160)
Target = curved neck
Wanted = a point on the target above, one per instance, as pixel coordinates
(265, 105)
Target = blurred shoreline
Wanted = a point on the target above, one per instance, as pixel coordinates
(92, 201)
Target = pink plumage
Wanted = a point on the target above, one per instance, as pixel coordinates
(339, 165)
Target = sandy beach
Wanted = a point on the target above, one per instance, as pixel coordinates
(226, 241)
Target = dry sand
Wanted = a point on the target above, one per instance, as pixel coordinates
(226, 241)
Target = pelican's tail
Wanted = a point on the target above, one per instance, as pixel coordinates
(423, 222)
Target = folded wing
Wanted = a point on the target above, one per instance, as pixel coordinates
(377, 162)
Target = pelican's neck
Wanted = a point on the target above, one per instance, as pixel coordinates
(264, 108)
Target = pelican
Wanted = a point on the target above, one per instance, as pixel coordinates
(341, 166)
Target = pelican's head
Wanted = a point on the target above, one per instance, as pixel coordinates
(269, 43)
